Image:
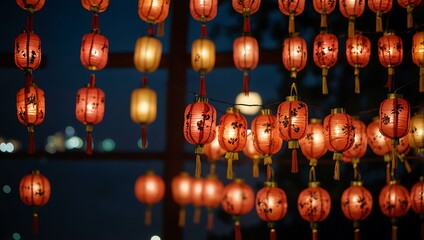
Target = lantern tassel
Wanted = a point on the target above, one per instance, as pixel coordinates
(35, 225)
(323, 20)
(31, 140)
(203, 31)
(181, 217)
(209, 225)
(89, 149)
(272, 234)
(337, 170)
(198, 166)
(246, 83)
(246, 24)
(196, 215)
(379, 22)
(202, 91)
(356, 234)
(324, 80)
(291, 23)
(256, 167)
(143, 137)
(389, 79)
(357, 82)
(394, 232)
(95, 25)
(312, 175)
(230, 168)
(161, 29)
(421, 78)
(314, 234)
(294, 164)
(148, 215)
(410, 18)
(268, 172)
(237, 230)
(351, 27)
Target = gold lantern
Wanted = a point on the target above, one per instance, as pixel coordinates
(147, 54)
(143, 109)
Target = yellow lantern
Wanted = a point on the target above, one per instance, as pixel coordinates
(143, 109)
(416, 133)
(203, 55)
(147, 54)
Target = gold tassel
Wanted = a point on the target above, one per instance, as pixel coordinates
(161, 29)
(196, 215)
(198, 166)
(357, 83)
(148, 215)
(421, 78)
(379, 22)
(256, 167)
(291, 23)
(181, 217)
(323, 20)
(394, 232)
(351, 27)
(230, 168)
(324, 80)
(337, 170)
(267, 159)
(410, 18)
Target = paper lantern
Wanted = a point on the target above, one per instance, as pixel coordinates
(27, 51)
(358, 51)
(213, 151)
(31, 5)
(291, 8)
(339, 135)
(246, 7)
(417, 201)
(359, 146)
(380, 7)
(246, 57)
(326, 49)
(409, 5)
(394, 117)
(418, 55)
(203, 55)
(94, 51)
(197, 197)
(212, 196)
(90, 108)
(203, 10)
(147, 54)
(181, 188)
(95, 5)
(250, 151)
(34, 190)
(351, 9)
(249, 104)
(143, 109)
(324, 7)
(390, 54)
(149, 189)
(232, 136)
(377, 141)
(294, 54)
(153, 11)
(416, 134)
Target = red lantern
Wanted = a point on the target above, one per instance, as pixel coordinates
(339, 135)
(197, 197)
(271, 205)
(291, 8)
(149, 189)
(351, 9)
(181, 187)
(394, 117)
(417, 201)
(409, 5)
(324, 7)
(34, 190)
(213, 151)
(314, 204)
(359, 146)
(380, 7)
(203, 10)
(294, 54)
(358, 50)
(238, 199)
(212, 196)
(95, 5)
(326, 49)
(153, 11)
(416, 134)
(90, 108)
(31, 5)
(390, 54)
(246, 57)
(247, 7)
(94, 51)
(418, 55)
(27, 51)
(232, 136)
(250, 151)
(199, 126)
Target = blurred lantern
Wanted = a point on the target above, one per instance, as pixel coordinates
(232, 136)
(291, 8)
(394, 117)
(380, 7)
(326, 49)
(292, 117)
(199, 127)
(147, 54)
(212, 196)
(94, 51)
(401, 150)
(416, 134)
(359, 147)
(34, 190)
(90, 108)
(271, 205)
(294, 54)
(250, 151)
(351, 9)
(339, 135)
(418, 55)
(394, 203)
(249, 104)
(27, 51)
(203, 10)
(409, 5)
(203, 60)
(417, 201)
(95, 5)
(213, 151)
(356, 203)
(324, 7)
(149, 189)
(266, 137)
(246, 7)
(197, 197)
(358, 50)
(30, 108)
(246, 57)
(153, 11)
(390, 54)
(238, 199)
(314, 204)
(31, 5)
(181, 187)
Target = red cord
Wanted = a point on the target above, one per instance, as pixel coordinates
(143, 137)
(89, 150)
(246, 84)
(295, 167)
(202, 90)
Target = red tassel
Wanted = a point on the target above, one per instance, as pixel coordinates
(357, 234)
(29, 23)
(295, 167)
(202, 91)
(29, 79)
(237, 230)
(89, 150)
(246, 24)
(92, 80)
(394, 232)
(144, 81)
(314, 234)
(210, 220)
(246, 84)
(389, 83)
(35, 226)
(268, 172)
(203, 31)
(31, 142)
(273, 234)
(95, 25)
(143, 137)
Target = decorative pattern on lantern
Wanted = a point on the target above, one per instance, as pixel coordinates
(199, 126)
(149, 189)
(291, 8)
(358, 51)
(394, 117)
(351, 9)
(27, 51)
(326, 49)
(380, 7)
(416, 134)
(213, 152)
(181, 193)
(246, 7)
(212, 196)
(153, 11)
(203, 10)
(95, 5)
(390, 54)
(246, 57)
(294, 54)
(34, 190)
(418, 55)
(409, 5)
(250, 151)
(324, 7)
(94, 51)
(339, 135)
(147, 54)
(232, 136)
(359, 147)
(31, 5)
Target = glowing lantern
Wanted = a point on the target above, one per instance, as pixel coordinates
(294, 54)
(181, 187)
(95, 5)
(94, 51)
(199, 126)
(238, 199)
(351, 9)
(380, 7)
(416, 134)
(359, 146)
(31, 5)
(212, 196)
(34, 190)
(246, 57)
(149, 189)
(153, 11)
(27, 51)
(324, 7)
(314, 204)
(326, 49)
(291, 8)
(197, 197)
(409, 5)
(246, 7)
(339, 135)
(390, 54)
(418, 55)
(213, 151)
(394, 117)
(203, 55)
(250, 151)
(232, 136)
(249, 104)
(417, 201)
(147, 54)
(90, 108)
(358, 51)
(203, 10)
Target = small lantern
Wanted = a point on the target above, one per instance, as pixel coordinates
(417, 201)
(390, 54)
(294, 54)
(250, 151)
(394, 117)
(324, 7)
(359, 147)
(95, 5)
(94, 51)
(31, 5)
(203, 55)
(213, 151)
(27, 51)
(418, 55)
(153, 11)
(416, 134)
(358, 51)
(203, 10)
(409, 5)
(380, 7)
(247, 7)
(339, 135)
(34, 190)
(149, 189)
(249, 104)
(197, 197)
(246, 57)
(199, 126)
(314, 204)
(90, 108)
(232, 136)
(212, 196)
(291, 8)
(238, 199)
(326, 49)
(351, 9)
(181, 187)
(147, 54)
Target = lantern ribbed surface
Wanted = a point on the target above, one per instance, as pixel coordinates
(245, 53)
(147, 54)
(265, 134)
(294, 54)
(90, 105)
(237, 198)
(291, 6)
(292, 117)
(94, 51)
(246, 7)
(27, 51)
(31, 5)
(271, 203)
(314, 203)
(416, 134)
(312, 145)
(326, 49)
(358, 51)
(417, 196)
(338, 131)
(356, 202)
(394, 200)
(153, 11)
(203, 10)
(360, 141)
(143, 106)
(394, 116)
(378, 143)
(390, 50)
(95, 5)
(352, 8)
(34, 189)
(232, 130)
(324, 7)
(30, 105)
(203, 55)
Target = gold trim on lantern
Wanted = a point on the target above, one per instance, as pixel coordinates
(315, 120)
(265, 111)
(394, 95)
(293, 144)
(393, 182)
(356, 183)
(338, 110)
(291, 98)
(89, 127)
(421, 178)
(271, 184)
(313, 184)
(201, 99)
(239, 180)
(232, 110)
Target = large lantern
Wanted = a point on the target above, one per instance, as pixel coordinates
(34, 190)
(326, 49)
(294, 54)
(359, 147)
(409, 5)
(250, 151)
(417, 201)
(339, 135)
(94, 51)
(197, 197)
(27, 51)
(380, 7)
(324, 7)
(358, 51)
(416, 133)
(203, 55)
(213, 151)
(394, 117)
(90, 108)
(390, 54)
(291, 8)
(149, 189)
(31, 5)
(232, 136)
(203, 10)
(153, 11)
(418, 55)
(95, 5)
(181, 188)
(351, 9)
(212, 196)
(246, 57)
(147, 54)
